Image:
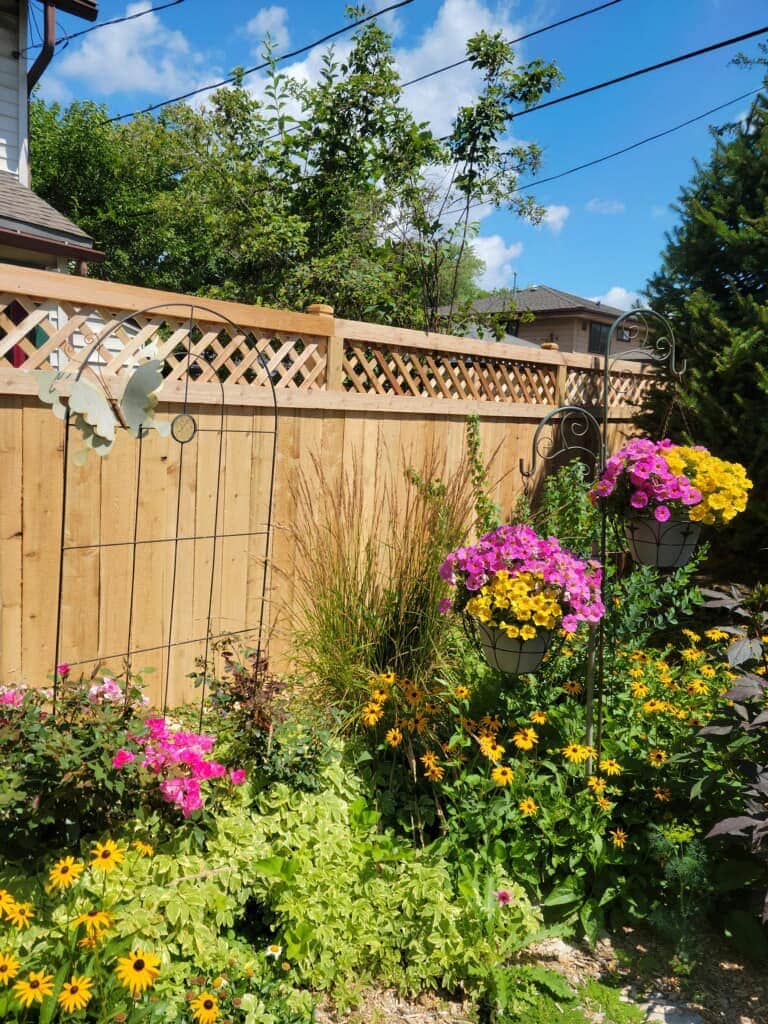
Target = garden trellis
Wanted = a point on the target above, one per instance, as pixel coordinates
(190, 438)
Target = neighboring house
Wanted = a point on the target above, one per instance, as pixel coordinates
(571, 323)
(32, 232)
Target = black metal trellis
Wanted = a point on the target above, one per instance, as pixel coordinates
(572, 428)
(184, 430)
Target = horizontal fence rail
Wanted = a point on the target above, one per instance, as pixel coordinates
(347, 393)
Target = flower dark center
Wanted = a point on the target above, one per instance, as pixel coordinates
(3, 968)
(138, 965)
(34, 984)
(64, 869)
(92, 913)
(208, 1004)
(106, 854)
(73, 989)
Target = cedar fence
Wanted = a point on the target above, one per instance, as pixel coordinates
(344, 390)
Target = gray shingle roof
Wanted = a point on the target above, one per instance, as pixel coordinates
(22, 210)
(543, 299)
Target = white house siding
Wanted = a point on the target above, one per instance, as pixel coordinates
(14, 155)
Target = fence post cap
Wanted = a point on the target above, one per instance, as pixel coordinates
(550, 346)
(319, 308)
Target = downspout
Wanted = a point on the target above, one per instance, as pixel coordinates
(45, 56)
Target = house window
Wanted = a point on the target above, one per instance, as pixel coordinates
(598, 338)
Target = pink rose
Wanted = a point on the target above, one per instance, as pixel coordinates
(123, 757)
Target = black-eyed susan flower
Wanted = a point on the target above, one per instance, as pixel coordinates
(577, 753)
(490, 723)
(639, 690)
(657, 757)
(434, 773)
(106, 856)
(596, 784)
(610, 766)
(138, 971)
(502, 775)
(539, 717)
(394, 737)
(528, 806)
(708, 671)
(205, 1008)
(75, 994)
(524, 739)
(6, 902)
(144, 849)
(462, 693)
(604, 803)
(379, 696)
(573, 687)
(9, 968)
(20, 915)
(371, 714)
(65, 873)
(662, 795)
(619, 838)
(34, 988)
(429, 760)
(95, 921)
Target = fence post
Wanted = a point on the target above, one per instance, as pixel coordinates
(335, 347)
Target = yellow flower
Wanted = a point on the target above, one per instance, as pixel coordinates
(657, 757)
(65, 873)
(619, 837)
(528, 806)
(490, 724)
(693, 637)
(145, 849)
(604, 804)
(462, 693)
(429, 760)
(576, 753)
(434, 773)
(394, 737)
(639, 690)
(9, 967)
(371, 714)
(697, 688)
(654, 707)
(420, 723)
(37, 986)
(411, 693)
(716, 634)
(524, 739)
(502, 775)
(662, 795)
(20, 914)
(539, 717)
(595, 784)
(205, 1009)
(379, 697)
(75, 994)
(6, 902)
(137, 971)
(572, 688)
(708, 671)
(386, 678)
(106, 856)
(691, 654)
(95, 922)
(610, 766)
(527, 632)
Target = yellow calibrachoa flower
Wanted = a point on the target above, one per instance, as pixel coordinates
(528, 806)
(9, 968)
(34, 988)
(65, 873)
(75, 994)
(138, 971)
(502, 775)
(517, 604)
(723, 485)
(106, 856)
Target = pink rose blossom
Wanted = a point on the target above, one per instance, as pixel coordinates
(62, 669)
(123, 757)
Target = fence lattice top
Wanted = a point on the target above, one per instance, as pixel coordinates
(50, 320)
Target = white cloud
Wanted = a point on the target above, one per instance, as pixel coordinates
(272, 20)
(498, 257)
(608, 207)
(555, 217)
(618, 297)
(136, 56)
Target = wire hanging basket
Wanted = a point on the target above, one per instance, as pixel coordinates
(514, 657)
(664, 545)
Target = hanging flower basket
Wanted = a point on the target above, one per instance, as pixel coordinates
(665, 545)
(666, 492)
(515, 657)
(515, 588)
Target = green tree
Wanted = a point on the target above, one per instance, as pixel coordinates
(713, 287)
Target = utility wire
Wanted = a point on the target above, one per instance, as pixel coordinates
(260, 67)
(625, 149)
(65, 40)
(465, 60)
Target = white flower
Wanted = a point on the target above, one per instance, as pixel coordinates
(274, 951)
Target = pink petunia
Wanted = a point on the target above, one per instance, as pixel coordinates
(661, 513)
(237, 775)
(123, 757)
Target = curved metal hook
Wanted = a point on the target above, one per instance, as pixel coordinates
(576, 421)
(660, 349)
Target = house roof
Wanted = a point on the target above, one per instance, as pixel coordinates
(80, 8)
(30, 222)
(543, 299)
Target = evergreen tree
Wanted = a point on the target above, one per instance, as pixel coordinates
(713, 287)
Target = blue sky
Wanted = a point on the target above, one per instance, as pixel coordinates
(604, 228)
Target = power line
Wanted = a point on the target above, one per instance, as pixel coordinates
(465, 60)
(625, 149)
(260, 67)
(65, 40)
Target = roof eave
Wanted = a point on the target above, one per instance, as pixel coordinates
(54, 247)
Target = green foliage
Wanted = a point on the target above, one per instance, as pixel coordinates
(240, 199)
(487, 513)
(367, 582)
(56, 778)
(566, 512)
(712, 286)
